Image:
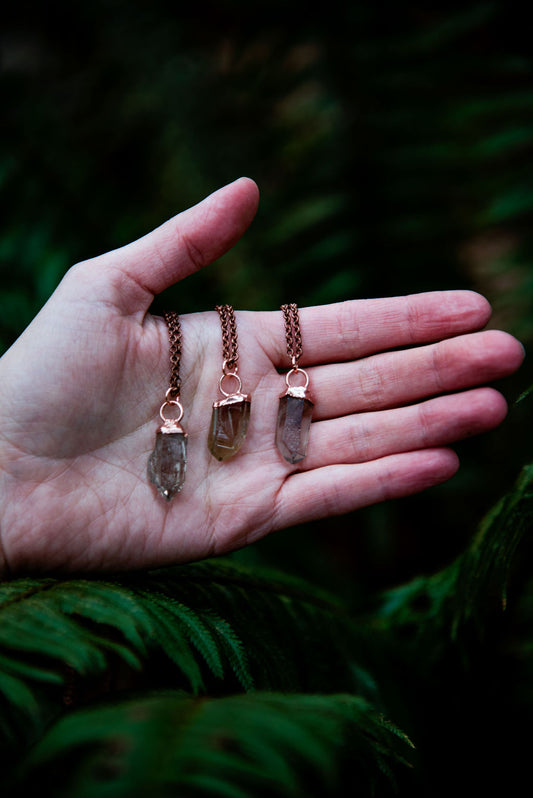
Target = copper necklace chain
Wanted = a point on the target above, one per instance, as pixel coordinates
(174, 333)
(293, 333)
(167, 463)
(230, 416)
(230, 350)
(295, 405)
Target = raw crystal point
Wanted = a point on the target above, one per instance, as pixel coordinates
(168, 462)
(229, 424)
(294, 421)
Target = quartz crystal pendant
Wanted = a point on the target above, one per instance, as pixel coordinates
(294, 421)
(168, 462)
(229, 424)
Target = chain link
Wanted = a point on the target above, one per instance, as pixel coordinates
(174, 333)
(293, 333)
(230, 351)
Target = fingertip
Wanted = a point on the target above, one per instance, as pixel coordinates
(466, 310)
(243, 190)
(450, 462)
(517, 351)
(478, 305)
(249, 195)
(510, 351)
(492, 407)
(253, 193)
(250, 184)
(440, 465)
(237, 202)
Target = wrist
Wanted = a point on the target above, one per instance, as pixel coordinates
(4, 570)
(4, 567)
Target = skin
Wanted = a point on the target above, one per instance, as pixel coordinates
(80, 393)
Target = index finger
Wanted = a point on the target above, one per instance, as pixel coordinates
(353, 329)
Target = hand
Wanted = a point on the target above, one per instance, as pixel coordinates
(81, 389)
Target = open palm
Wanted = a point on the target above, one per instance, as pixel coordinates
(81, 389)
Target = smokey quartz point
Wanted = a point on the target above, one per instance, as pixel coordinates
(229, 424)
(168, 462)
(294, 421)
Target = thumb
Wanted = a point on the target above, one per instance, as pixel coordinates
(179, 247)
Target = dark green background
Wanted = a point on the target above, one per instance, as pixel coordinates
(392, 145)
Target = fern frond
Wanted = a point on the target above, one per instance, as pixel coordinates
(430, 611)
(294, 633)
(177, 646)
(192, 626)
(264, 744)
(206, 627)
(233, 650)
(483, 571)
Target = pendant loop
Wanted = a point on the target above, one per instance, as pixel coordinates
(173, 403)
(230, 374)
(297, 370)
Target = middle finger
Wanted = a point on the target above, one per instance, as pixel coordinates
(391, 379)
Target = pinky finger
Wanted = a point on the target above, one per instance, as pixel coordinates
(338, 489)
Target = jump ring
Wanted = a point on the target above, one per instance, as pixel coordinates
(168, 403)
(225, 370)
(297, 371)
(230, 374)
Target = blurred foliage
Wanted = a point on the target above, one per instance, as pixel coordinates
(264, 744)
(392, 144)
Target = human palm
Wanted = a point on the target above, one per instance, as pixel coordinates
(81, 389)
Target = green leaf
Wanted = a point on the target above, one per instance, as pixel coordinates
(256, 744)
(428, 612)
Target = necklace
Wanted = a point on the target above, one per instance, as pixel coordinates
(295, 406)
(231, 415)
(168, 462)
